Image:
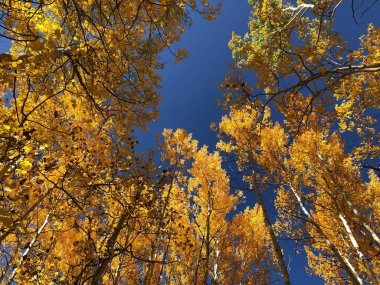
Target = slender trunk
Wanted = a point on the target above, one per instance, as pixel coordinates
(26, 252)
(344, 262)
(356, 213)
(370, 273)
(163, 261)
(353, 241)
(275, 243)
(198, 262)
(117, 274)
(276, 246)
(215, 273)
(153, 255)
(374, 236)
(99, 272)
(151, 266)
(206, 273)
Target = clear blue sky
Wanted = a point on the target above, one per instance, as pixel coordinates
(190, 87)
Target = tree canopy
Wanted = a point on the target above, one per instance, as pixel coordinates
(79, 204)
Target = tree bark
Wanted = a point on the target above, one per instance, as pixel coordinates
(370, 273)
(275, 243)
(26, 252)
(344, 262)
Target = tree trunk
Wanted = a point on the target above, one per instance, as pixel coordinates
(370, 273)
(26, 252)
(215, 273)
(208, 248)
(276, 245)
(356, 213)
(345, 263)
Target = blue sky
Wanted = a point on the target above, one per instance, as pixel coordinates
(190, 87)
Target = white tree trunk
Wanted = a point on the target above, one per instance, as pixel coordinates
(374, 236)
(345, 263)
(370, 273)
(26, 252)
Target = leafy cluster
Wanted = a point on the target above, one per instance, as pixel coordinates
(79, 205)
(321, 94)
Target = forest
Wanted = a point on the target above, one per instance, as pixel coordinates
(82, 203)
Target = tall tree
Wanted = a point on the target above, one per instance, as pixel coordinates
(240, 134)
(77, 201)
(320, 92)
(212, 247)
